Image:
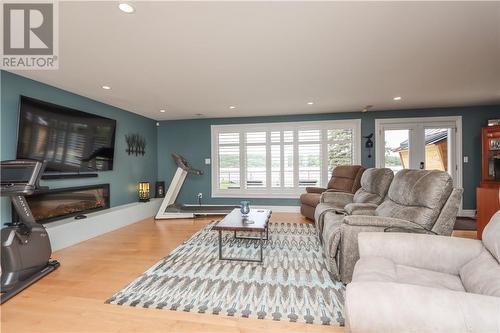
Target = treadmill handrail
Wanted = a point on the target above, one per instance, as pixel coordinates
(184, 165)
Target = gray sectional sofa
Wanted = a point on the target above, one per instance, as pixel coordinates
(417, 201)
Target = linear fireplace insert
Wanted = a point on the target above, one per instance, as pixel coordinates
(60, 203)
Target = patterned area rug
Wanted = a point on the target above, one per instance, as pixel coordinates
(292, 284)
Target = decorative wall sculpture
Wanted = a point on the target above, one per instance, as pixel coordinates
(136, 144)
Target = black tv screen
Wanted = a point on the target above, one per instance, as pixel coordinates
(69, 140)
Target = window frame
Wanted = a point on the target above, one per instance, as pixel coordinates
(278, 192)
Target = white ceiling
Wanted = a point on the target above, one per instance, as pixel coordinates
(271, 58)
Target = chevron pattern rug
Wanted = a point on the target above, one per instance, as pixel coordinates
(292, 284)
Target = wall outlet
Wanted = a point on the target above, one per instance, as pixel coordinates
(199, 195)
(466, 159)
(207, 161)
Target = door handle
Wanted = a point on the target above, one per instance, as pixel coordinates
(422, 165)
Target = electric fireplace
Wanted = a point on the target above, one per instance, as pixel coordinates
(60, 203)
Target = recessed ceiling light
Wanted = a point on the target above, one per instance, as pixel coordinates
(162, 111)
(232, 107)
(310, 103)
(126, 8)
(397, 98)
(106, 87)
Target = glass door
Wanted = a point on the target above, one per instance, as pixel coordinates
(396, 149)
(418, 143)
(439, 149)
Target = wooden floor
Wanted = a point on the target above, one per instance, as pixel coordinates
(71, 299)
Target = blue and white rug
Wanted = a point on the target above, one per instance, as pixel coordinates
(292, 284)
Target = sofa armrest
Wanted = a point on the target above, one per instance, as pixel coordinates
(437, 253)
(340, 199)
(360, 208)
(379, 221)
(318, 190)
(394, 307)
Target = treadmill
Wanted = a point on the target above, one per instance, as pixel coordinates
(170, 210)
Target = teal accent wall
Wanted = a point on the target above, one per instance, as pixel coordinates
(191, 138)
(127, 170)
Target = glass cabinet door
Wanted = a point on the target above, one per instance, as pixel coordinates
(493, 158)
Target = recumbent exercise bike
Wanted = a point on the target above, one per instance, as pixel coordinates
(25, 244)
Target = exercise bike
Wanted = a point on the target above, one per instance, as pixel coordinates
(25, 244)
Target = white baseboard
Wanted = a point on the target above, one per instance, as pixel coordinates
(467, 213)
(69, 231)
(279, 209)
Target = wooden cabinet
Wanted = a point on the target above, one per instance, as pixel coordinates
(488, 203)
(490, 140)
(487, 195)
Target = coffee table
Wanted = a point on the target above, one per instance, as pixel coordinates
(257, 221)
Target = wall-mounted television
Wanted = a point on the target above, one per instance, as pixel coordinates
(71, 141)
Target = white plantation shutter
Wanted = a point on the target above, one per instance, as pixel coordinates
(309, 136)
(276, 165)
(309, 164)
(229, 160)
(280, 159)
(256, 166)
(255, 137)
(309, 158)
(229, 138)
(288, 166)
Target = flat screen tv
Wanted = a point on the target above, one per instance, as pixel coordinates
(71, 141)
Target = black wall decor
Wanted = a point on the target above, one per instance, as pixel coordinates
(136, 144)
(369, 144)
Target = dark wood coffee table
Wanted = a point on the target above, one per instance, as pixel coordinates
(257, 221)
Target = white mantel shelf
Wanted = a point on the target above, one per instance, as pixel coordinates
(67, 232)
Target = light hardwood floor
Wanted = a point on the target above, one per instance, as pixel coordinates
(71, 299)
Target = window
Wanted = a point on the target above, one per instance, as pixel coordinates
(280, 159)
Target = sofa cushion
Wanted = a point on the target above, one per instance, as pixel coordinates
(426, 188)
(482, 275)
(420, 215)
(321, 212)
(346, 178)
(417, 196)
(379, 269)
(426, 278)
(374, 185)
(310, 199)
(360, 209)
(374, 269)
(491, 236)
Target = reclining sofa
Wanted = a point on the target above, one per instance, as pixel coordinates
(417, 201)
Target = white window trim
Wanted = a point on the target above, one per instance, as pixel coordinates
(292, 193)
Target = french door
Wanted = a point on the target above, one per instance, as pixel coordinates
(428, 143)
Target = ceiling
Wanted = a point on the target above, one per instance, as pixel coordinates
(195, 59)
